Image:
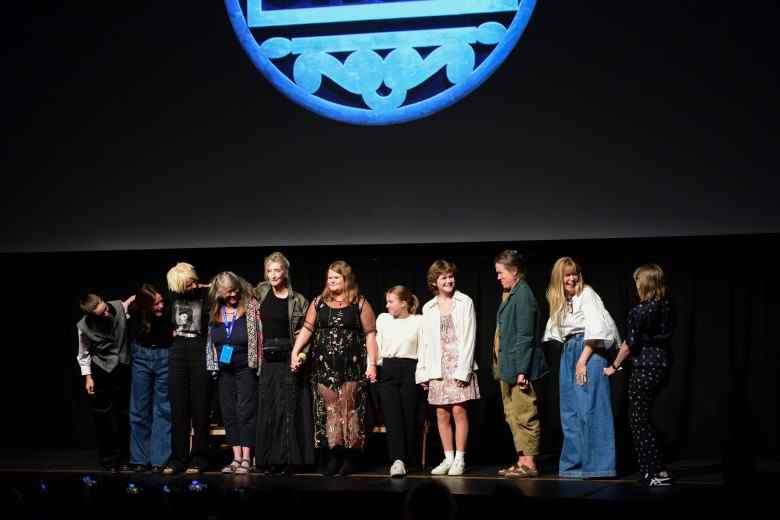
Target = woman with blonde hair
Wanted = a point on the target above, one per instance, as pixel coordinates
(344, 354)
(398, 337)
(284, 423)
(649, 330)
(579, 320)
(446, 366)
(188, 386)
(235, 350)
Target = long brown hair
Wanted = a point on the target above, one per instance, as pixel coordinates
(351, 292)
(556, 295)
(144, 304)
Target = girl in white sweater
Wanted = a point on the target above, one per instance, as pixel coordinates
(399, 333)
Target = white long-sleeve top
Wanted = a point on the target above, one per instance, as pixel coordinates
(587, 316)
(465, 321)
(398, 337)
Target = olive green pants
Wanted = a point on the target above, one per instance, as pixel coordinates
(522, 416)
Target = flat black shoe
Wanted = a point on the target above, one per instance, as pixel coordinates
(334, 465)
(347, 468)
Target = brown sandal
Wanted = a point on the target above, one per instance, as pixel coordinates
(522, 471)
(503, 472)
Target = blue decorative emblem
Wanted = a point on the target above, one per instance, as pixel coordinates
(378, 62)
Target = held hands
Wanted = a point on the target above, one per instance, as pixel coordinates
(90, 385)
(371, 373)
(424, 386)
(296, 360)
(608, 371)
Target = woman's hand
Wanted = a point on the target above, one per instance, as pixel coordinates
(90, 385)
(608, 371)
(295, 361)
(371, 373)
(424, 386)
(581, 373)
(522, 382)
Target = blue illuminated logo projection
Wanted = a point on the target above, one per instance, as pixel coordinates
(378, 62)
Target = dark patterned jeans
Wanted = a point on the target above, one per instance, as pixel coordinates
(642, 389)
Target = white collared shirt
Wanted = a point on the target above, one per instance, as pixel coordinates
(588, 316)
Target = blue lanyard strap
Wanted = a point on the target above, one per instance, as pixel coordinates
(228, 326)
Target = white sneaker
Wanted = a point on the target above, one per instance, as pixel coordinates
(398, 469)
(656, 480)
(442, 468)
(457, 468)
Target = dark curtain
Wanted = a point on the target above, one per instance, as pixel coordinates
(720, 400)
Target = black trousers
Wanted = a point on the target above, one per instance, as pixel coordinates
(188, 389)
(399, 399)
(238, 401)
(285, 425)
(110, 409)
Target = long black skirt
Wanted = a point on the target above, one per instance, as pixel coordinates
(285, 428)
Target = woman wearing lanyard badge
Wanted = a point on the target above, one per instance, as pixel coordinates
(235, 343)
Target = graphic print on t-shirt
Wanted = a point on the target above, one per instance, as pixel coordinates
(187, 316)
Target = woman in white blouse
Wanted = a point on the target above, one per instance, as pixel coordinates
(446, 363)
(398, 336)
(579, 320)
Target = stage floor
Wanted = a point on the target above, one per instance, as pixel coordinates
(67, 479)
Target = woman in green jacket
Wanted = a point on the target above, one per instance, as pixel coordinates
(518, 362)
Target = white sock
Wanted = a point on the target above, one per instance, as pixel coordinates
(448, 456)
(460, 455)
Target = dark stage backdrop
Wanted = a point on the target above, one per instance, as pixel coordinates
(720, 402)
(143, 125)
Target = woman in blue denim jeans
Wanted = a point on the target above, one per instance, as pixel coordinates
(151, 334)
(579, 320)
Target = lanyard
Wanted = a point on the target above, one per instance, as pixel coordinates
(228, 326)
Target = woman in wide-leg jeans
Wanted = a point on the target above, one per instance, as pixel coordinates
(579, 320)
(150, 407)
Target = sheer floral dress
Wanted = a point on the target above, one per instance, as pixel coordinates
(338, 370)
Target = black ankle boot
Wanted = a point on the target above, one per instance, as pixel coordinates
(334, 463)
(349, 465)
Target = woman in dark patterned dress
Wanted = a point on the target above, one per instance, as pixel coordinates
(344, 355)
